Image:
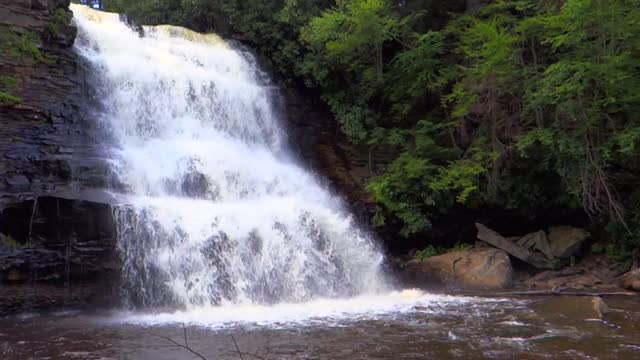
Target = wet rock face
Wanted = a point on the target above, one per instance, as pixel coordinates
(56, 224)
(56, 240)
(47, 139)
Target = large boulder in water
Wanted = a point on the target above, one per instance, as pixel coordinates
(565, 241)
(487, 268)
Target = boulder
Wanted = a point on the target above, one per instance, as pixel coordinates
(565, 241)
(487, 268)
(536, 241)
(631, 280)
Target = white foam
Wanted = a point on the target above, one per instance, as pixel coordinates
(322, 311)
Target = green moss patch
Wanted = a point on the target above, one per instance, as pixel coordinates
(8, 89)
(8, 242)
(57, 22)
(21, 46)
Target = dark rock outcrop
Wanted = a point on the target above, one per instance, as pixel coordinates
(56, 224)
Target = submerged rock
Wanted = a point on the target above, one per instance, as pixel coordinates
(489, 268)
(571, 309)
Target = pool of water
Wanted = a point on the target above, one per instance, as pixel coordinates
(402, 325)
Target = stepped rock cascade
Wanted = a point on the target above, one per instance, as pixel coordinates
(215, 212)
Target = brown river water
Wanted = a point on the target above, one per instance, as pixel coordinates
(402, 326)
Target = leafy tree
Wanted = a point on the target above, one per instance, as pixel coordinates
(347, 59)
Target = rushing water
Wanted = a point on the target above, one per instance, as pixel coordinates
(217, 213)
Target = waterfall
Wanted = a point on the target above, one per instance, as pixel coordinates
(215, 211)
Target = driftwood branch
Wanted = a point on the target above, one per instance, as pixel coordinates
(185, 347)
(237, 347)
(240, 353)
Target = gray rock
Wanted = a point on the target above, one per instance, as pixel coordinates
(565, 241)
(537, 241)
(18, 182)
(523, 253)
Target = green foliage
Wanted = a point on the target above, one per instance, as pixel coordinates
(592, 87)
(414, 186)
(8, 242)
(8, 88)
(7, 99)
(21, 46)
(427, 252)
(8, 82)
(57, 22)
(346, 44)
(430, 250)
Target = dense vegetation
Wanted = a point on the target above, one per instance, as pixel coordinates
(523, 105)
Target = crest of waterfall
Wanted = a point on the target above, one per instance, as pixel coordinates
(216, 212)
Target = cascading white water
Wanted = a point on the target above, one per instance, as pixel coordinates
(216, 212)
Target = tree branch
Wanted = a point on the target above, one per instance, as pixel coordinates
(185, 347)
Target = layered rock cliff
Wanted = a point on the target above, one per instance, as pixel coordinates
(56, 224)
